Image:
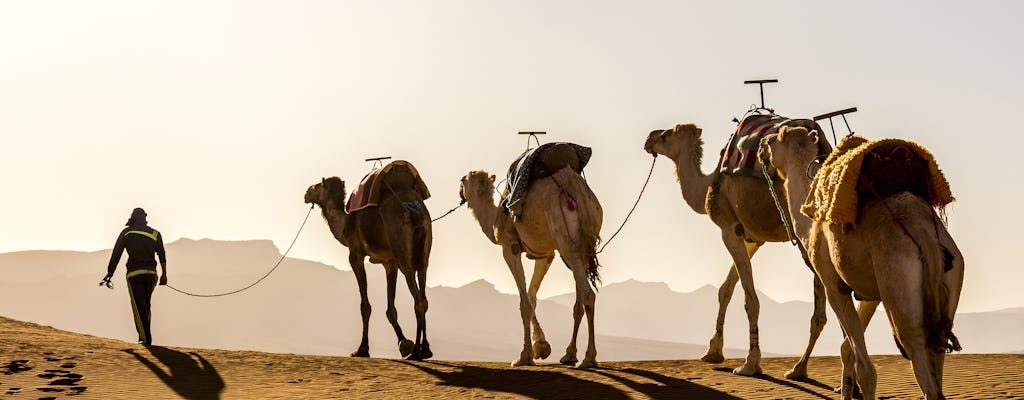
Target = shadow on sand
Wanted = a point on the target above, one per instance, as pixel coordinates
(190, 375)
(790, 384)
(537, 383)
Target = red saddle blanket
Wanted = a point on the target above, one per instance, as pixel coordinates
(367, 194)
(740, 153)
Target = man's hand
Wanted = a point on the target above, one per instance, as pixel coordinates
(106, 282)
(163, 279)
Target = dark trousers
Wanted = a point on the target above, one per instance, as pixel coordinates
(140, 289)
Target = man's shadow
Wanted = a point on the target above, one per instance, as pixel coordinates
(190, 375)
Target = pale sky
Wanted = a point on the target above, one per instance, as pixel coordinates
(216, 116)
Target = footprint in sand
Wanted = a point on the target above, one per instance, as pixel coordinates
(62, 380)
(15, 366)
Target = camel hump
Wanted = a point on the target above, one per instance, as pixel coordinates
(554, 158)
(542, 162)
(398, 175)
(893, 167)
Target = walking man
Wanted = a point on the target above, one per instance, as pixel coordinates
(142, 242)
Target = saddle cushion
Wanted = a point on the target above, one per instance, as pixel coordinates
(367, 194)
(861, 169)
(539, 163)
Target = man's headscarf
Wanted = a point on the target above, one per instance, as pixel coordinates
(138, 217)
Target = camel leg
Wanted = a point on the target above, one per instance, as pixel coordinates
(954, 280)
(515, 265)
(356, 262)
(585, 297)
(577, 316)
(405, 346)
(714, 354)
(741, 260)
(846, 313)
(541, 347)
(865, 310)
(818, 320)
(421, 309)
(900, 284)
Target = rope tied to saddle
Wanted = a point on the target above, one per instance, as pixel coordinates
(289, 249)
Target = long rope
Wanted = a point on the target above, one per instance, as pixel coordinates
(778, 205)
(638, 197)
(264, 276)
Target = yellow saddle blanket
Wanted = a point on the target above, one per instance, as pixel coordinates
(837, 188)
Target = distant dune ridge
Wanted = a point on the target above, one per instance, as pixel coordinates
(312, 308)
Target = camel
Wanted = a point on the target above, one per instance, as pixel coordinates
(561, 213)
(896, 252)
(394, 234)
(742, 207)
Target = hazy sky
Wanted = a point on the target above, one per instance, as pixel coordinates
(216, 116)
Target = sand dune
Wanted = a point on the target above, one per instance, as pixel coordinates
(42, 362)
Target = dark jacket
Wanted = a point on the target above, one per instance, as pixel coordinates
(142, 242)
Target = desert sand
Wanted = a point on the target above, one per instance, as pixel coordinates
(42, 362)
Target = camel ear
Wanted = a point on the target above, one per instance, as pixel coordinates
(492, 178)
(815, 136)
(323, 181)
(697, 130)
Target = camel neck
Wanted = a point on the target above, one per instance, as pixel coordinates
(797, 186)
(693, 183)
(336, 217)
(485, 212)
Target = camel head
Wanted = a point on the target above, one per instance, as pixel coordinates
(477, 184)
(675, 141)
(792, 147)
(328, 189)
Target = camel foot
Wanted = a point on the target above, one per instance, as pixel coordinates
(796, 373)
(713, 357)
(747, 370)
(856, 392)
(405, 347)
(523, 363)
(425, 353)
(541, 349)
(568, 359)
(360, 353)
(586, 364)
(419, 354)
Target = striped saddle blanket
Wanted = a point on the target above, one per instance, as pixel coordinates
(367, 194)
(740, 153)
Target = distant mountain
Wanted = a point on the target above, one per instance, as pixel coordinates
(304, 307)
(311, 308)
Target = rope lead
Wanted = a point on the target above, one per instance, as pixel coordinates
(630, 213)
(264, 276)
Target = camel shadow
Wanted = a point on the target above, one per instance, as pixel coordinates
(553, 384)
(666, 387)
(190, 375)
(789, 383)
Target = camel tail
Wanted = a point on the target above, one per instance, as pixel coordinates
(589, 213)
(938, 319)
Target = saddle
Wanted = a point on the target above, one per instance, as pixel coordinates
(368, 193)
(540, 163)
(859, 170)
(740, 153)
